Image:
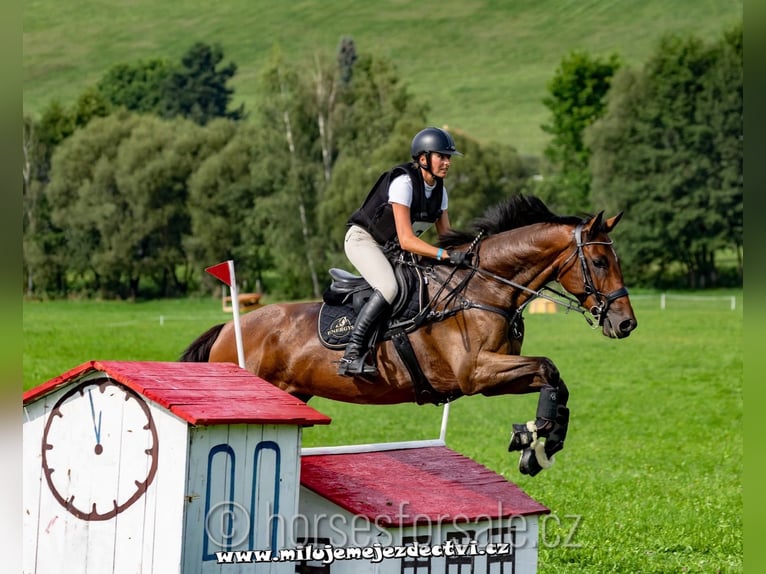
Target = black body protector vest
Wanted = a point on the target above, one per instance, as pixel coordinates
(376, 214)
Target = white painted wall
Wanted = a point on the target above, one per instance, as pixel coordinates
(342, 529)
(239, 478)
(146, 537)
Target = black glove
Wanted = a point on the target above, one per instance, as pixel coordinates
(460, 257)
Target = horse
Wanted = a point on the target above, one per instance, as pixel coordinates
(470, 335)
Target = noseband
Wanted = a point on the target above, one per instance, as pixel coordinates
(604, 300)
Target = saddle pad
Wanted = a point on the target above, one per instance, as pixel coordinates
(335, 325)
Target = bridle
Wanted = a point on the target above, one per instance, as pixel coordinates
(598, 312)
(604, 300)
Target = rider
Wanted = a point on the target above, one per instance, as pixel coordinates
(403, 203)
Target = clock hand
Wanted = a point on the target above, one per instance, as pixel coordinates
(96, 428)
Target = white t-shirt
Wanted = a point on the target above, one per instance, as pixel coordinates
(400, 191)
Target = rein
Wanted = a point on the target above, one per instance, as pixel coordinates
(570, 303)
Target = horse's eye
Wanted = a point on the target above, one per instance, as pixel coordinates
(600, 263)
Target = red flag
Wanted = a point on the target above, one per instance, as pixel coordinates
(221, 271)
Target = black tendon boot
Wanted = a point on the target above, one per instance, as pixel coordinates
(353, 361)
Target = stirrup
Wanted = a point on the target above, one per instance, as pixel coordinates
(357, 367)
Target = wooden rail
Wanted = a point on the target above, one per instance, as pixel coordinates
(247, 302)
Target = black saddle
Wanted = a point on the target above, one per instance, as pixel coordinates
(348, 293)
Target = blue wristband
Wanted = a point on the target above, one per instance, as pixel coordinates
(439, 253)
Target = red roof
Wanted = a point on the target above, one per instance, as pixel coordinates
(200, 393)
(415, 486)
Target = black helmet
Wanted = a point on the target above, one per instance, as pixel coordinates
(433, 139)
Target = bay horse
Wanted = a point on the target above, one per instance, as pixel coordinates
(470, 341)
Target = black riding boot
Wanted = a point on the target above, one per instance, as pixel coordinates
(353, 361)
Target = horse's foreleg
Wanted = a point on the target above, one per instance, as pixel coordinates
(549, 404)
(551, 422)
(556, 427)
(499, 374)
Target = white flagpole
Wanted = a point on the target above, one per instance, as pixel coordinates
(235, 310)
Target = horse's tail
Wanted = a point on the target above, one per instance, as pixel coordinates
(199, 350)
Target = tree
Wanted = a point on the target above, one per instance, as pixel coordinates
(346, 59)
(375, 102)
(153, 169)
(722, 103)
(484, 176)
(302, 214)
(55, 125)
(138, 87)
(41, 138)
(43, 266)
(83, 195)
(118, 193)
(197, 89)
(325, 84)
(289, 164)
(577, 98)
(656, 156)
(222, 198)
(330, 83)
(43, 270)
(378, 117)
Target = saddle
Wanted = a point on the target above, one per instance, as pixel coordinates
(347, 294)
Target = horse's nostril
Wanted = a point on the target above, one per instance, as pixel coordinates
(628, 325)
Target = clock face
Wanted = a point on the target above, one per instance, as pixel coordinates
(99, 449)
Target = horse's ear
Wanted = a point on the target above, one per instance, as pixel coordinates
(594, 224)
(612, 222)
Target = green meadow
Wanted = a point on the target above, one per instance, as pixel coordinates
(650, 480)
(482, 66)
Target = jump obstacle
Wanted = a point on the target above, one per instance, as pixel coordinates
(142, 467)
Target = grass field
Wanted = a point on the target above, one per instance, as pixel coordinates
(482, 66)
(650, 480)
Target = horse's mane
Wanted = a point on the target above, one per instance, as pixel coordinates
(518, 211)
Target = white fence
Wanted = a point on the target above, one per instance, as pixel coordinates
(666, 299)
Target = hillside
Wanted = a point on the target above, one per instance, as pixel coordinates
(481, 66)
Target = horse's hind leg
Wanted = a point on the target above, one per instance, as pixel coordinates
(551, 422)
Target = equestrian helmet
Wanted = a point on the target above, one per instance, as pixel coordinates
(433, 139)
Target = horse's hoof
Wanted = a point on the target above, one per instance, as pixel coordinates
(528, 462)
(521, 437)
